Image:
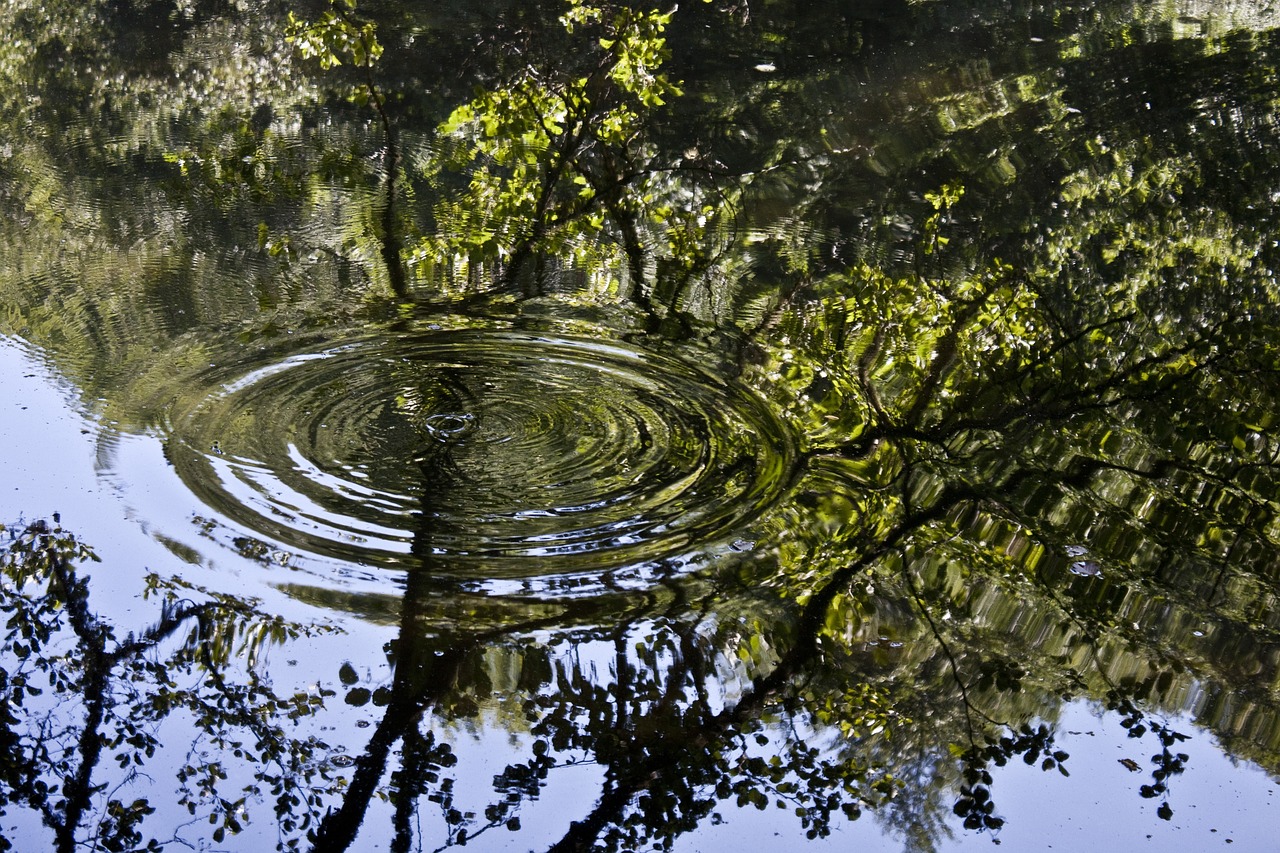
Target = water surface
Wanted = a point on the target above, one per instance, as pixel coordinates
(584, 427)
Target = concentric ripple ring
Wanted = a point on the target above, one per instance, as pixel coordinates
(483, 454)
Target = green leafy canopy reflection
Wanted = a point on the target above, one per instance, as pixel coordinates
(1020, 309)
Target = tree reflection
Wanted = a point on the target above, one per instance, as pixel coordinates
(1037, 399)
(952, 509)
(108, 695)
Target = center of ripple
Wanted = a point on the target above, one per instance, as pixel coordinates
(483, 454)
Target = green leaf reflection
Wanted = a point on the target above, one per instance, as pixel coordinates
(1010, 275)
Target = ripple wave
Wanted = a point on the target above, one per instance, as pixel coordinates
(484, 454)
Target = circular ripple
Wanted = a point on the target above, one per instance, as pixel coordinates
(484, 454)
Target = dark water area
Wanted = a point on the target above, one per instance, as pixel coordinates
(570, 426)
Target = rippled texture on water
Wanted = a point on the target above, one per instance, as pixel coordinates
(447, 330)
(483, 454)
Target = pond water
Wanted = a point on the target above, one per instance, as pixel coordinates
(571, 426)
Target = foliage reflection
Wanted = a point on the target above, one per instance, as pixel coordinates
(1023, 318)
(83, 707)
